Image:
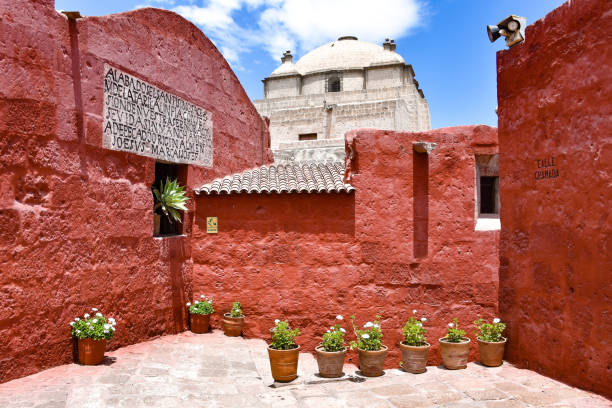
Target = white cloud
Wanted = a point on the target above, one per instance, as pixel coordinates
(317, 21)
(298, 25)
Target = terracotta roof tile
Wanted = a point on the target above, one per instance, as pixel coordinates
(283, 178)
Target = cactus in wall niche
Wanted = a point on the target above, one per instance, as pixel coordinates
(170, 198)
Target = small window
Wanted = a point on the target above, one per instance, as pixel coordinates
(488, 195)
(487, 192)
(308, 136)
(334, 83)
(162, 226)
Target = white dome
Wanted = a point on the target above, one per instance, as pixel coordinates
(346, 53)
(286, 68)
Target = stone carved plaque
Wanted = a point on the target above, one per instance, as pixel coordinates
(142, 119)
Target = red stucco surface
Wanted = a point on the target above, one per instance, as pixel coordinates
(76, 220)
(307, 258)
(555, 101)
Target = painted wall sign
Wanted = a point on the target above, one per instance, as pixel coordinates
(546, 169)
(211, 225)
(142, 119)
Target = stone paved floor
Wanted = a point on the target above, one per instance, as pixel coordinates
(212, 370)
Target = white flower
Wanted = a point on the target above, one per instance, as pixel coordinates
(112, 328)
(451, 324)
(202, 297)
(188, 304)
(89, 323)
(107, 326)
(196, 302)
(76, 319)
(94, 309)
(413, 311)
(276, 321)
(419, 324)
(106, 331)
(72, 323)
(377, 326)
(331, 327)
(99, 314)
(368, 324)
(423, 319)
(365, 335)
(328, 330)
(86, 315)
(78, 331)
(339, 317)
(342, 330)
(496, 320)
(95, 321)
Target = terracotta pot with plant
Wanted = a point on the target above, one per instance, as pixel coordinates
(455, 347)
(491, 344)
(283, 352)
(233, 321)
(92, 333)
(199, 314)
(372, 352)
(415, 348)
(331, 351)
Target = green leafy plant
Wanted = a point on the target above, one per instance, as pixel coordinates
(202, 306)
(170, 198)
(236, 310)
(491, 332)
(454, 335)
(414, 331)
(282, 336)
(95, 327)
(333, 340)
(370, 337)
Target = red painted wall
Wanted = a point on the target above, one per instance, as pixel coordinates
(76, 220)
(307, 258)
(555, 101)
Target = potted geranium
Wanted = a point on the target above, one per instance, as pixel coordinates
(199, 314)
(331, 351)
(455, 347)
(372, 352)
(283, 352)
(491, 344)
(233, 321)
(92, 333)
(415, 348)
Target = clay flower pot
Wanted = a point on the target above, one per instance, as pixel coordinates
(199, 322)
(414, 358)
(91, 352)
(491, 353)
(232, 326)
(330, 362)
(372, 363)
(284, 363)
(454, 355)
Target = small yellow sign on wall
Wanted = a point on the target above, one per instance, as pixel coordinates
(211, 225)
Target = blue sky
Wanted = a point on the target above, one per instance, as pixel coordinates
(444, 40)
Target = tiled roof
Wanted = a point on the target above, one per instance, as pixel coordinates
(283, 178)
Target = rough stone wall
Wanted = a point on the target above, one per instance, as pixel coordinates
(76, 220)
(555, 105)
(387, 77)
(352, 80)
(404, 240)
(283, 87)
